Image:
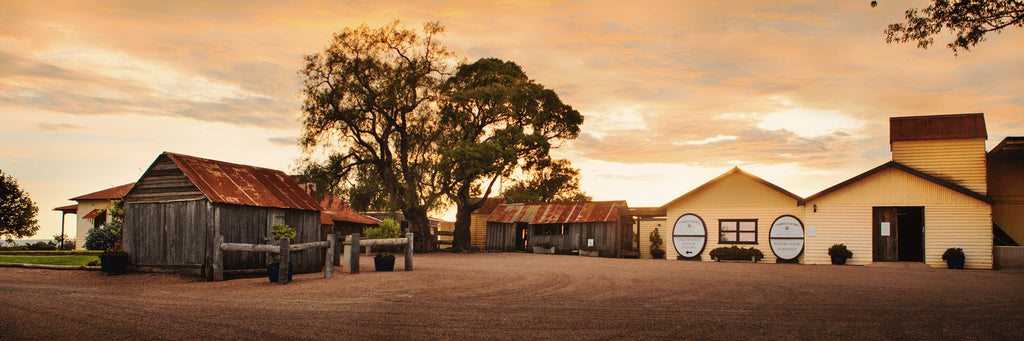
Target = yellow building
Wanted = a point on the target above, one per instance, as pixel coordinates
(478, 222)
(930, 197)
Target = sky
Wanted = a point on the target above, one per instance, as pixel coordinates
(674, 93)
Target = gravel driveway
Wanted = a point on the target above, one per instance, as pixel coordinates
(524, 296)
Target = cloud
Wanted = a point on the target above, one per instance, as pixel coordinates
(284, 141)
(55, 127)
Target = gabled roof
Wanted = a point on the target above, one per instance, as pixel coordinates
(490, 205)
(335, 209)
(107, 194)
(937, 127)
(734, 170)
(230, 183)
(908, 170)
(1009, 147)
(559, 212)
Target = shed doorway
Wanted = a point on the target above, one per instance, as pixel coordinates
(898, 234)
(522, 236)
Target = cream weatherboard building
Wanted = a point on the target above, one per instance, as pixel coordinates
(930, 197)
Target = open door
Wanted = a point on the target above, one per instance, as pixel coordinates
(898, 234)
(521, 236)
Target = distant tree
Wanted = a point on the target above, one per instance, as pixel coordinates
(549, 181)
(494, 121)
(370, 101)
(17, 211)
(970, 20)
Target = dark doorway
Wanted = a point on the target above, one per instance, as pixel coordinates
(521, 236)
(898, 234)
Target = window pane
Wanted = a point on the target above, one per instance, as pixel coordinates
(728, 226)
(728, 237)
(748, 236)
(748, 226)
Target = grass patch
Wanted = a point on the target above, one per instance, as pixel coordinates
(50, 260)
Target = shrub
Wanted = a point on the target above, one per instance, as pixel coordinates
(736, 253)
(840, 250)
(656, 250)
(658, 253)
(386, 229)
(103, 237)
(283, 231)
(42, 246)
(953, 253)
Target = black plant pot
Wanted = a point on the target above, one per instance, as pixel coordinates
(838, 260)
(114, 265)
(384, 263)
(274, 272)
(955, 263)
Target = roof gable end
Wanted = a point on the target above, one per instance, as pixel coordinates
(735, 171)
(903, 168)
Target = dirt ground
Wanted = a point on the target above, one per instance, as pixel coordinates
(524, 296)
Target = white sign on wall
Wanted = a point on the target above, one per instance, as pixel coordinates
(885, 229)
(787, 237)
(689, 235)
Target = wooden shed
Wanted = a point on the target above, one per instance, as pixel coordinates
(340, 218)
(566, 225)
(182, 202)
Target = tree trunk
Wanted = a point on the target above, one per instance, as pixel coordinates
(463, 221)
(419, 225)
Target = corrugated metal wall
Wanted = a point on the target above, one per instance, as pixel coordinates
(1007, 189)
(648, 225)
(951, 219)
(959, 161)
(478, 230)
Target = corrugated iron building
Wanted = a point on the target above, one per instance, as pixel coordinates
(1006, 187)
(182, 202)
(478, 222)
(566, 225)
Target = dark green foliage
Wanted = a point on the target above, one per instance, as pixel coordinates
(548, 181)
(103, 237)
(736, 253)
(385, 229)
(969, 20)
(42, 246)
(283, 231)
(17, 211)
(656, 242)
(840, 250)
(953, 253)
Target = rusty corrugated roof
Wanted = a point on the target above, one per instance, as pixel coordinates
(490, 205)
(335, 209)
(558, 212)
(230, 183)
(67, 209)
(937, 127)
(109, 193)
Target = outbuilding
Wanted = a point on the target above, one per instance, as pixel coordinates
(182, 202)
(567, 226)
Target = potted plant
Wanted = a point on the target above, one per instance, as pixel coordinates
(384, 262)
(544, 247)
(954, 258)
(839, 253)
(114, 260)
(656, 250)
(590, 251)
(274, 268)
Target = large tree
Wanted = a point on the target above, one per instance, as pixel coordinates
(17, 211)
(370, 103)
(551, 181)
(495, 120)
(969, 20)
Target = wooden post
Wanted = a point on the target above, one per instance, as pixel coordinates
(218, 259)
(282, 270)
(329, 258)
(336, 257)
(408, 253)
(353, 265)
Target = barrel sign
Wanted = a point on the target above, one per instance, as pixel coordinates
(787, 237)
(689, 235)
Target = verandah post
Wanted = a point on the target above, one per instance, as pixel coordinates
(282, 270)
(408, 252)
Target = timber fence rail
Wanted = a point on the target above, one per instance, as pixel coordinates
(284, 251)
(353, 242)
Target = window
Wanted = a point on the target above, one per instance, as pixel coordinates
(549, 229)
(737, 231)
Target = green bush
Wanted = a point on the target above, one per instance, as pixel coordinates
(840, 250)
(953, 253)
(103, 237)
(656, 250)
(283, 231)
(42, 246)
(736, 253)
(386, 229)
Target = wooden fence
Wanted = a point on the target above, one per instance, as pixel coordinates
(284, 250)
(353, 242)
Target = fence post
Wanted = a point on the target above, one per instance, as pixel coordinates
(218, 259)
(329, 256)
(408, 253)
(337, 249)
(282, 270)
(353, 265)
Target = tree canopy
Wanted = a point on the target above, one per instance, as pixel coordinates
(370, 104)
(969, 20)
(495, 120)
(550, 181)
(17, 211)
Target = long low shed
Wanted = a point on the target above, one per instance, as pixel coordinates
(565, 225)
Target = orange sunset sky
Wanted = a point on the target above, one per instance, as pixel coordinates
(674, 93)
